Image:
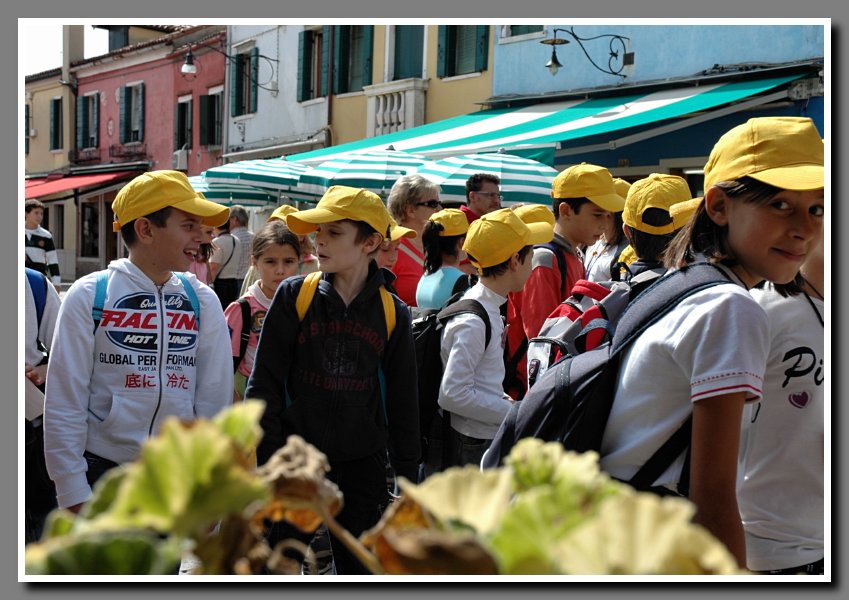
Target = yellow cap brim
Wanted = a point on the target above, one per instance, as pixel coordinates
(682, 212)
(307, 221)
(796, 177)
(211, 213)
(609, 202)
(398, 232)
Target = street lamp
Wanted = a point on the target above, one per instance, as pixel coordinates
(190, 68)
(617, 47)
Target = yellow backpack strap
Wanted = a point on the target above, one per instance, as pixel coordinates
(388, 311)
(307, 293)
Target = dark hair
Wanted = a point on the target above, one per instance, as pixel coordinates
(618, 233)
(501, 268)
(574, 203)
(475, 182)
(702, 235)
(436, 246)
(158, 218)
(651, 246)
(272, 233)
(33, 203)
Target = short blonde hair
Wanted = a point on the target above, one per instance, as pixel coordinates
(408, 190)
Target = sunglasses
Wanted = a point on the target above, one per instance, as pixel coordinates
(430, 204)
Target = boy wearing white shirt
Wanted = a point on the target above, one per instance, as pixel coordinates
(499, 246)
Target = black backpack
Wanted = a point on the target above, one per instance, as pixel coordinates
(427, 338)
(571, 402)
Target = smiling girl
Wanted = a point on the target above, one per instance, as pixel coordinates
(274, 254)
(761, 215)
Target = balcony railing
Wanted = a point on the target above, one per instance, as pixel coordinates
(395, 105)
(128, 151)
(84, 155)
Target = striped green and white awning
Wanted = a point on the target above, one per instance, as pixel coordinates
(522, 179)
(277, 174)
(229, 194)
(374, 170)
(551, 123)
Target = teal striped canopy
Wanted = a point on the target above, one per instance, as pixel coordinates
(522, 179)
(277, 174)
(233, 193)
(374, 170)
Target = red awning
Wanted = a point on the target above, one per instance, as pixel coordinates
(35, 181)
(72, 182)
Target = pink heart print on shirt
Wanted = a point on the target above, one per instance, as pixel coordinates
(799, 400)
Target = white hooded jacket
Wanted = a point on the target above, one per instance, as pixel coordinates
(108, 392)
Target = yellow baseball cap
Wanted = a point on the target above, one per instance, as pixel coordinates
(682, 212)
(342, 202)
(535, 213)
(621, 186)
(396, 232)
(155, 190)
(281, 211)
(453, 221)
(588, 181)
(655, 191)
(785, 152)
(496, 236)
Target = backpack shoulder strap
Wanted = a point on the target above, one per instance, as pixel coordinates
(468, 305)
(246, 329)
(38, 285)
(307, 293)
(193, 297)
(101, 280)
(661, 297)
(561, 263)
(388, 311)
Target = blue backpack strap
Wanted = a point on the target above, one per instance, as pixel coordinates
(193, 297)
(38, 285)
(101, 280)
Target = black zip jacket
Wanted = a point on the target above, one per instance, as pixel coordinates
(319, 378)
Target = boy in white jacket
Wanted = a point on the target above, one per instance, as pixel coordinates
(158, 349)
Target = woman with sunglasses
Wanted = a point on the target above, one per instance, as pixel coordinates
(412, 200)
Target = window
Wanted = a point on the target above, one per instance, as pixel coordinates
(409, 44)
(26, 128)
(244, 70)
(56, 142)
(515, 30)
(132, 114)
(352, 62)
(88, 121)
(90, 230)
(183, 124)
(210, 119)
(462, 49)
(313, 59)
(119, 37)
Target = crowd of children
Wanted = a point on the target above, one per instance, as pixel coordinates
(322, 332)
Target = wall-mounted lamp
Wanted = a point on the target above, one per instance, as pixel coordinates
(617, 52)
(190, 68)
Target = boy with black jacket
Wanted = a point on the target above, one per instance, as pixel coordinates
(321, 376)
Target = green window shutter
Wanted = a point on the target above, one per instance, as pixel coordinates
(442, 52)
(191, 118)
(368, 52)
(341, 48)
(304, 60)
(482, 48)
(236, 108)
(327, 31)
(178, 125)
(254, 77)
(140, 122)
(204, 122)
(96, 120)
(53, 124)
(26, 128)
(409, 41)
(124, 115)
(82, 122)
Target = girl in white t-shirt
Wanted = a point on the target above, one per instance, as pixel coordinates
(761, 214)
(274, 254)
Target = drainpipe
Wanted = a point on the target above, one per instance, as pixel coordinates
(328, 130)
